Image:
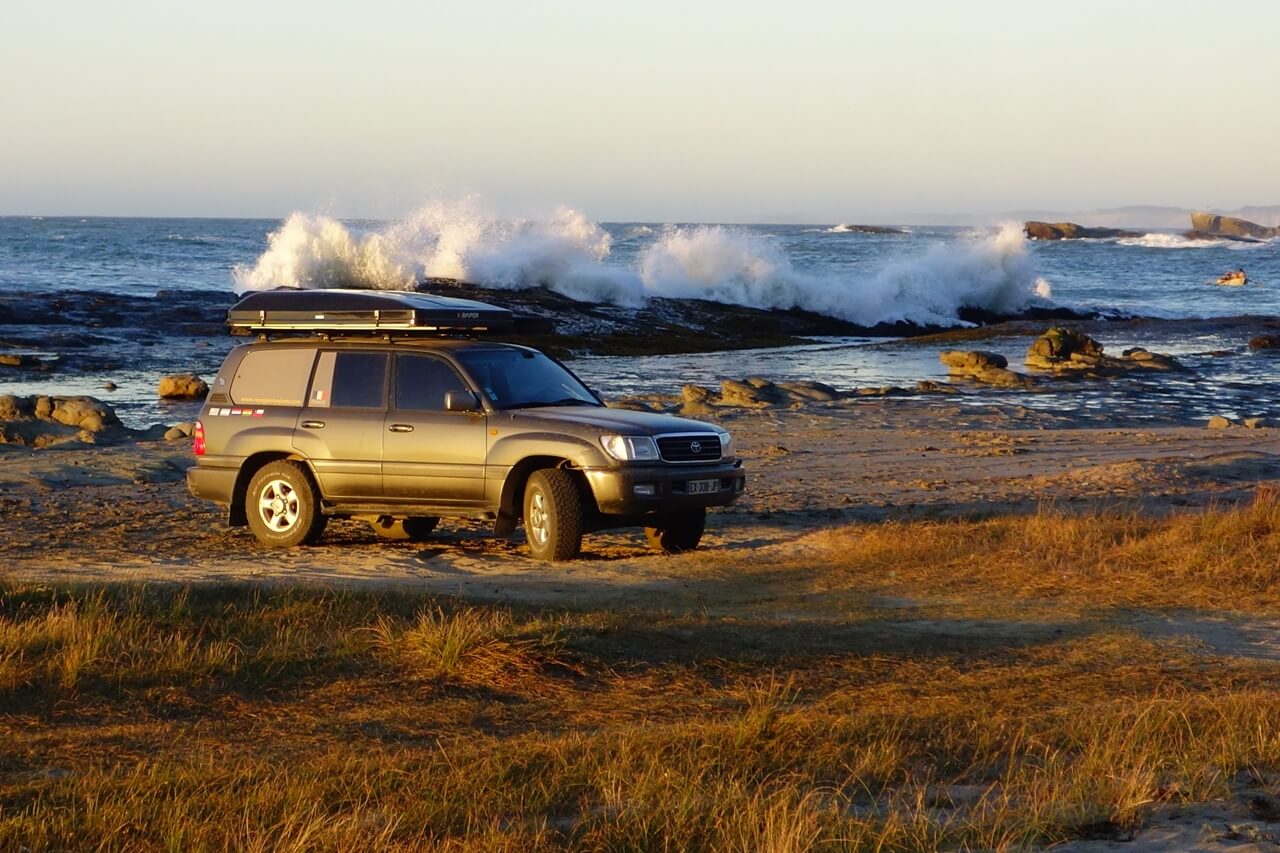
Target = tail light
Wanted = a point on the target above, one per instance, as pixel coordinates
(197, 439)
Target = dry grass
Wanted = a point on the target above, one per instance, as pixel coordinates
(242, 718)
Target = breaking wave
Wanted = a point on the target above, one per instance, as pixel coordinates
(1161, 240)
(568, 254)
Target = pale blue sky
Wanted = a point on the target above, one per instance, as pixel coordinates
(733, 111)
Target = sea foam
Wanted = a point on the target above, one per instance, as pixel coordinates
(569, 254)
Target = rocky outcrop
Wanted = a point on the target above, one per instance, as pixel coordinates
(989, 368)
(183, 386)
(754, 392)
(1230, 226)
(1071, 231)
(1068, 351)
(1265, 342)
(39, 421)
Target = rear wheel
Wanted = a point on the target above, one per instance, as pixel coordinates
(553, 515)
(414, 529)
(283, 505)
(678, 532)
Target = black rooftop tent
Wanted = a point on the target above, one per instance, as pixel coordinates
(363, 310)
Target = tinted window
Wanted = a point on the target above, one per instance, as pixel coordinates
(273, 377)
(359, 380)
(422, 382)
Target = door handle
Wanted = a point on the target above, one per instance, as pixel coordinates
(401, 428)
(313, 424)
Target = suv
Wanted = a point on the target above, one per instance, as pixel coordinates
(381, 415)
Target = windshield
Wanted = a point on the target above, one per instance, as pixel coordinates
(522, 379)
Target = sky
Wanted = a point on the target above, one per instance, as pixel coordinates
(658, 111)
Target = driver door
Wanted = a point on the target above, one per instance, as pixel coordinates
(430, 454)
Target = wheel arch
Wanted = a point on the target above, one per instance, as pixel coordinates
(236, 516)
(510, 506)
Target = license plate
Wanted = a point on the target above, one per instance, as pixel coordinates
(702, 487)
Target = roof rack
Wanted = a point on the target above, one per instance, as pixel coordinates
(403, 311)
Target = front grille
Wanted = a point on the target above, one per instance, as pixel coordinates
(690, 448)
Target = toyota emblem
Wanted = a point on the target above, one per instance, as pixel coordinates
(695, 447)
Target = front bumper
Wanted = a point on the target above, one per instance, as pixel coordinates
(615, 488)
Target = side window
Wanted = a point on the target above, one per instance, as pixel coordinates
(355, 380)
(273, 377)
(422, 381)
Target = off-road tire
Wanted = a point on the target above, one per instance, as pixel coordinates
(553, 514)
(413, 529)
(282, 505)
(678, 532)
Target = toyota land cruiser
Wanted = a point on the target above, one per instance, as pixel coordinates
(372, 406)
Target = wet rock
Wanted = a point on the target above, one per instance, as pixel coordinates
(928, 386)
(818, 392)
(8, 359)
(1257, 423)
(183, 386)
(1265, 342)
(1058, 346)
(179, 431)
(988, 368)
(41, 421)
(1219, 422)
(966, 361)
(109, 386)
(1067, 351)
(746, 395)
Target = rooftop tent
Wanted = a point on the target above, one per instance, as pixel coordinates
(363, 310)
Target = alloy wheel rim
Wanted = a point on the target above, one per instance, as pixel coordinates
(279, 506)
(538, 517)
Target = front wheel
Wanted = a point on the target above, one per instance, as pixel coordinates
(283, 505)
(678, 532)
(553, 515)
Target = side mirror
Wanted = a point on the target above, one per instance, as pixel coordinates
(461, 401)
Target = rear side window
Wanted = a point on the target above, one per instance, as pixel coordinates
(353, 380)
(268, 377)
(422, 381)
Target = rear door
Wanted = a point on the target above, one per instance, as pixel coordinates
(340, 429)
(430, 454)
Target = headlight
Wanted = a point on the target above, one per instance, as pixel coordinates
(630, 448)
(726, 444)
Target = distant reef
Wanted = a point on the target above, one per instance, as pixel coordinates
(1071, 231)
(844, 228)
(1230, 226)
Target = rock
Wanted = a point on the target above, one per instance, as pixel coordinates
(1230, 226)
(735, 393)
(818, 392)
(1070, 231)
(1058, 345)
(966, 362)
(183, 386)
(986, 367)
(1256, 423)
(178, 431)
(1219, 422)
(695, 394)
(1265, 342)
(9, 359)
(110, 386)
(928, 386)
(39, 421)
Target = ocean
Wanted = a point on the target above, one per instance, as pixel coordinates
(922, 275)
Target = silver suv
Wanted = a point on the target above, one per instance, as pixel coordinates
(405, 423)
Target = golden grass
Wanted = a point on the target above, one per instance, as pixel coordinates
(221, 718)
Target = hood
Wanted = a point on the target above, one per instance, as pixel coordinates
(621, 421)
